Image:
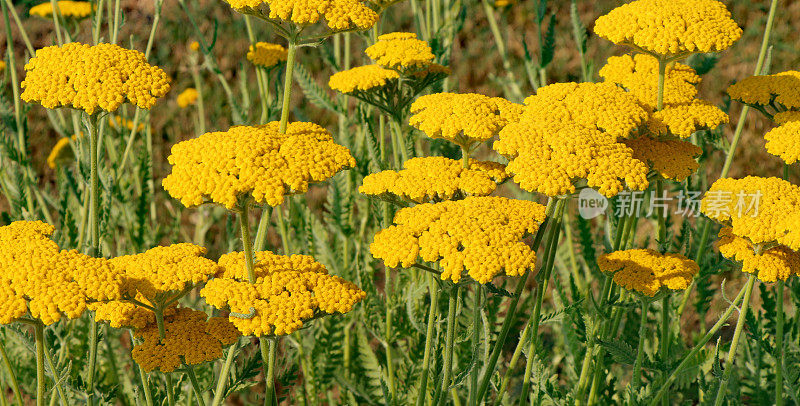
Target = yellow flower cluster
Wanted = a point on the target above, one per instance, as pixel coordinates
(647, 271)
(90, 77)
(361, 78)
(401, 51)
(190, 337)
(463, 118)
(187, 97)
(784, 141)
(118, 122)
(772, 264)
(781, 88)
(682, 114)
(121, 314)
(569, 132)
(165, 269)
(340, 14)
(267, 55)
(763, 210)
(672, 159)
(256, 161)
(68, 9)
(288, 291)
(670, 27)
(433, 178)
(61, 152)
(39, 279)
(482, 235)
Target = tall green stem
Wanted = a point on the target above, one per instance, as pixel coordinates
(726, 376)
(476, 329)
(222, 381)
(198, 393)
(94, 233)
(269, 348)
(11, 374)
(247, 243)
(38, 333)
(664, 341)
(448, 344)
(426, 358)
(162, 333)
(779, 345)
(636, 378)
(287, 84)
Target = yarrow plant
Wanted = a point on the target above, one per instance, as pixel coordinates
(398, 202)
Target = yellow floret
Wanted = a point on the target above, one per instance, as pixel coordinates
(647, 271)
(784, 141)
(770, 265)
(361, 79)
(92, 77)
(124, 314)
(187, 97)
(672, 159)
(435, 179)
(253, 161)
(684, 119)
(288, 291)
(480, 235)
(68, 9)
(570, 132)
(670, 27)
(47, 283)
(401, 51)
(462, 118)
(340, 14)
(190, 337)
(638, 74)
(165, 269)
(266, 55)
(763, 210)
(194, 46)
(781, 88)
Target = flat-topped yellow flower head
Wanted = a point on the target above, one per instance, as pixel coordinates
(570, 132)
(769, 265)
(431, 179)
(638, 74)
(670, 27)
(463, 118)
(682, 120)
(92, 77)
(400, 51)
(267, 55)
(187, 98)
(362, 79)
(40, 280)
(190, 337)
(69, 9)
(124, 314)
(784, 140)
(165, 269)
(482, 236)
(288, 291)
(672, 159)
(340, 15)
(647, 271)
(763, 210)
(253, 162)
(782, 89)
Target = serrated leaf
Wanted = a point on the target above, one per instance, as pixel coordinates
(313, 91)
(549, 46)
(621, 351)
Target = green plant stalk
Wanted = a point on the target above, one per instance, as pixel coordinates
(388, 332)
(247, 243)
(148, 395)
(476, 339)
(269, 349)
(448, 344)
(551, 248)
(38, 333)
(287, 84)
(779, 345)
(198, 393)
(54, 372)
(500, 43)
(222, 381)
(726, 376)
(699, 346)
(11, 374)
(523, 338)
(21, 28)
(56, 17)
(573, 260)
(489, 368)
(426, 358)
(737, 135)
(94, 232)
(664, 341)
(636, 378)
(162, 334)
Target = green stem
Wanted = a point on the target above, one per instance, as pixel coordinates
(551, 248)
(61, 395)
(636, 378)
(779, 346)
(11, 374)
(726, 376)
(489, 368)
(662, 73)
(388, 332)
(268, 354)
(426, 358)
(476, 324)
(448, 344)
(148, 395)
(198, 393)
(247, 244)
(287, 84)
(162, 334)
(38, 332)
(222, 381)
(698, 347)
(665, 336)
